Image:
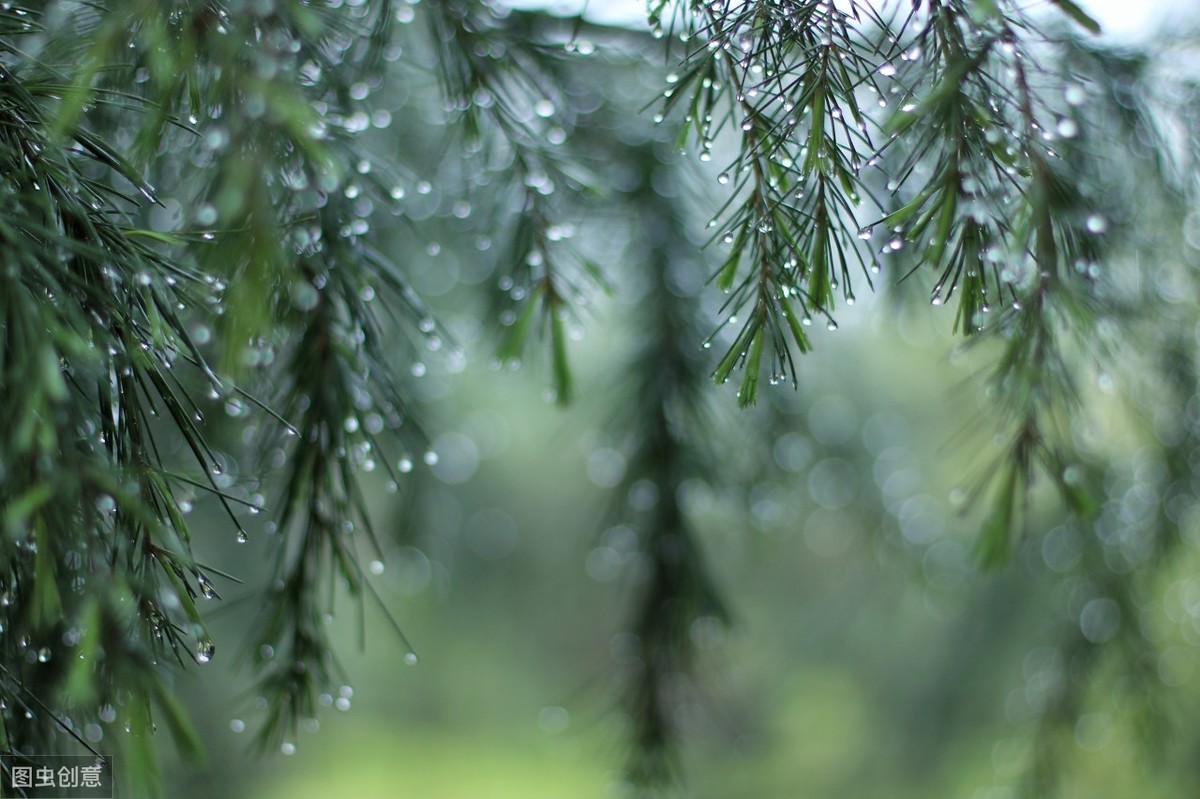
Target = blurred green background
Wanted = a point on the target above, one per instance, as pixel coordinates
(867, 656)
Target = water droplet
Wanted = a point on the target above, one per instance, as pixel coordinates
(410, 659)
(376, 567)
(554, 720)
(205, 651)
(888, 69)
(237, 725)
(206, 215)
(1096, 224)
(305, 296)
(288, 748)
(723, 178)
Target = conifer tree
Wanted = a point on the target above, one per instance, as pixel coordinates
(204, 206)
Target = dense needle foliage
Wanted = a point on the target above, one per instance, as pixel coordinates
(215, 206)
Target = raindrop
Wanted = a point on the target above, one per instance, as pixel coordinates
(206, 215)
(1067, 128)
(304, 296)
(205, 651)
(553, 720)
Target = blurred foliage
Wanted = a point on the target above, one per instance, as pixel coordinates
(264, 256)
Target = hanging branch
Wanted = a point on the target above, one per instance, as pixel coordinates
(107, 325)
(676, 600)
(506, 94)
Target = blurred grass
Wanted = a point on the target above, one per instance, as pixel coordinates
(379, 761)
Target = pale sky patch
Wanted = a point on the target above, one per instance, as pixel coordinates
(1122, 20)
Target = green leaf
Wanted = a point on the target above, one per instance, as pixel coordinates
(797, 328)
(983, 10)
(20, 509)
(47, 603)
(514, 342)
(749, 394)
(994, 545)
(561, 366)
(182, 731)
(81, 686)
(1078, 15)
